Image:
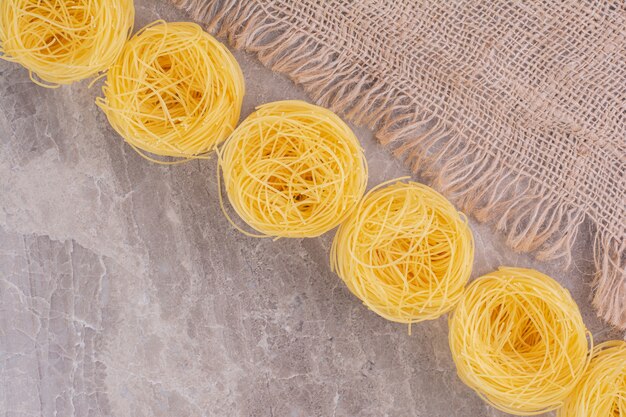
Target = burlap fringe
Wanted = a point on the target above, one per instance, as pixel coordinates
(530, 216)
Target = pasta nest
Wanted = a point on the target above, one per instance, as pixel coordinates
(602, 389)
(293, 169)
(63, 41)
(518, 339)
(406, 252)
(175, 91)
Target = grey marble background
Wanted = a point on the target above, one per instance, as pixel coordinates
(124, 291)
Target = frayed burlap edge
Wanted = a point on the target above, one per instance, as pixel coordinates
(532, 217)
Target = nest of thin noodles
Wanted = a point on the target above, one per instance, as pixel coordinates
(602, 389)
(292, 169)
(518, 339)
(175, 91)
(406, 252)
(62, 41)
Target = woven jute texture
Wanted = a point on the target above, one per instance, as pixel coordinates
(516, 110)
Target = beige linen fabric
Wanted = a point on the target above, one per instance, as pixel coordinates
(514, 109)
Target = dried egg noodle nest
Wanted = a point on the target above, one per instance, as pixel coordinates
(62, 41)
(518, 339)
(602, 389)
(406, 252)
(175, 91)
(292, 169)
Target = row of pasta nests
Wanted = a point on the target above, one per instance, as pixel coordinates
(294, 170)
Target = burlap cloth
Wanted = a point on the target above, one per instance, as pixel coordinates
(514, 109)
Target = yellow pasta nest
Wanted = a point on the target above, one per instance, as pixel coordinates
(175, 91)
(602, 389)
(518, 339)
(292, 169)
(62, 41)
(406, 252)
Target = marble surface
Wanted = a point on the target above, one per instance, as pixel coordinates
(124, 291)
